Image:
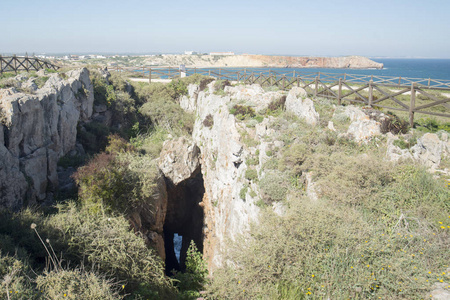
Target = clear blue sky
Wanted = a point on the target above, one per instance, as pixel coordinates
(392, 28)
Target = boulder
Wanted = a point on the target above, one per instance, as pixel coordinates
(179, 159)
(298, 104)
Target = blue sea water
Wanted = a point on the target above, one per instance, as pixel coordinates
(410, 68)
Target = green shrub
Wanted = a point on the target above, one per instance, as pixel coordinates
(277, 104)
(405, 144)
(322, 249)
(107, 244)
(242, 112)
(76, 284)
(431, 125)
(243, 192)
(168, 115)
(293, 158)
(93, 136)
(15, 282)
(40, 81)
(251, 174)
(194, 278)
(208, 121)
(274, 186)
(118, 183)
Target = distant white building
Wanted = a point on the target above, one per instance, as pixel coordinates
(221, 53)
(190, 52)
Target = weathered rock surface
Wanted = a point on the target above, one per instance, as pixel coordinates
(179, 160)
(39, 129)
(362, 128)
(303, 107)
(149, 219)
(222, 160)
(429, 149)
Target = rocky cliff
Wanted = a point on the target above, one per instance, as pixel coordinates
(37, 128)
(344, 62)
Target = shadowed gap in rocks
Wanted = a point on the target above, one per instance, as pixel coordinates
(184, 217)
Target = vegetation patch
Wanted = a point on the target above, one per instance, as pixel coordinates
(208, 121)
(242, 112)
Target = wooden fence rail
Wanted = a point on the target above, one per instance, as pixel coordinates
(24, 63)
(411, 95)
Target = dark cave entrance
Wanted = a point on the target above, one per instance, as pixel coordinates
(184, 218)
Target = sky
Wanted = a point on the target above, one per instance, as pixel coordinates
(382, 28)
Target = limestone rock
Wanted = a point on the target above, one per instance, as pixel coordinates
(394, 153)
(150, 216)
(253, 94)
(222, 159)
(40, 129)
(297, 103)
(13, 184)
(429, 150)
(348, 112)
(362, 128)
(179, 159)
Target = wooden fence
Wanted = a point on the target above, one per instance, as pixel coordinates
(410, 95)
(24, 63)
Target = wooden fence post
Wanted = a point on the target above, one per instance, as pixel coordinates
(340, 91)
(149, 75)
(298, 80)
(370, 93)
(284, 82)
(412, 104)
(1, 64)
(15, 63)
(316, 86)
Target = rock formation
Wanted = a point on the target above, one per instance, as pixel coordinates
(37, 129)
(249, 61)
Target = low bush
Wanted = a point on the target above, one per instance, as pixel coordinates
(251, 174)
(208, 121)
(76, 284)
(242, 111)
(274, 186)
(110, 247)
(277, 104)
(14, 279)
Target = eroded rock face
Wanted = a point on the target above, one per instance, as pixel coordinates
(179, 160)
(303, 107)
(429, 150)
(228, 212)
(39, 129)
(149, 219)
(362, 128)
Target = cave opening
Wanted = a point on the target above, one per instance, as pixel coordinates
(184, 220)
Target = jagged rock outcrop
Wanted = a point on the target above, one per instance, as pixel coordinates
(303, 107)
(223, 166)
(429, 149)
(362, 127)
(150, 216)
(38, 129)
(179, 160)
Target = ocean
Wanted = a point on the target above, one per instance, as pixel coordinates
(410, 68)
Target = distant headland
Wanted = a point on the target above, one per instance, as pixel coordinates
(228, 59)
